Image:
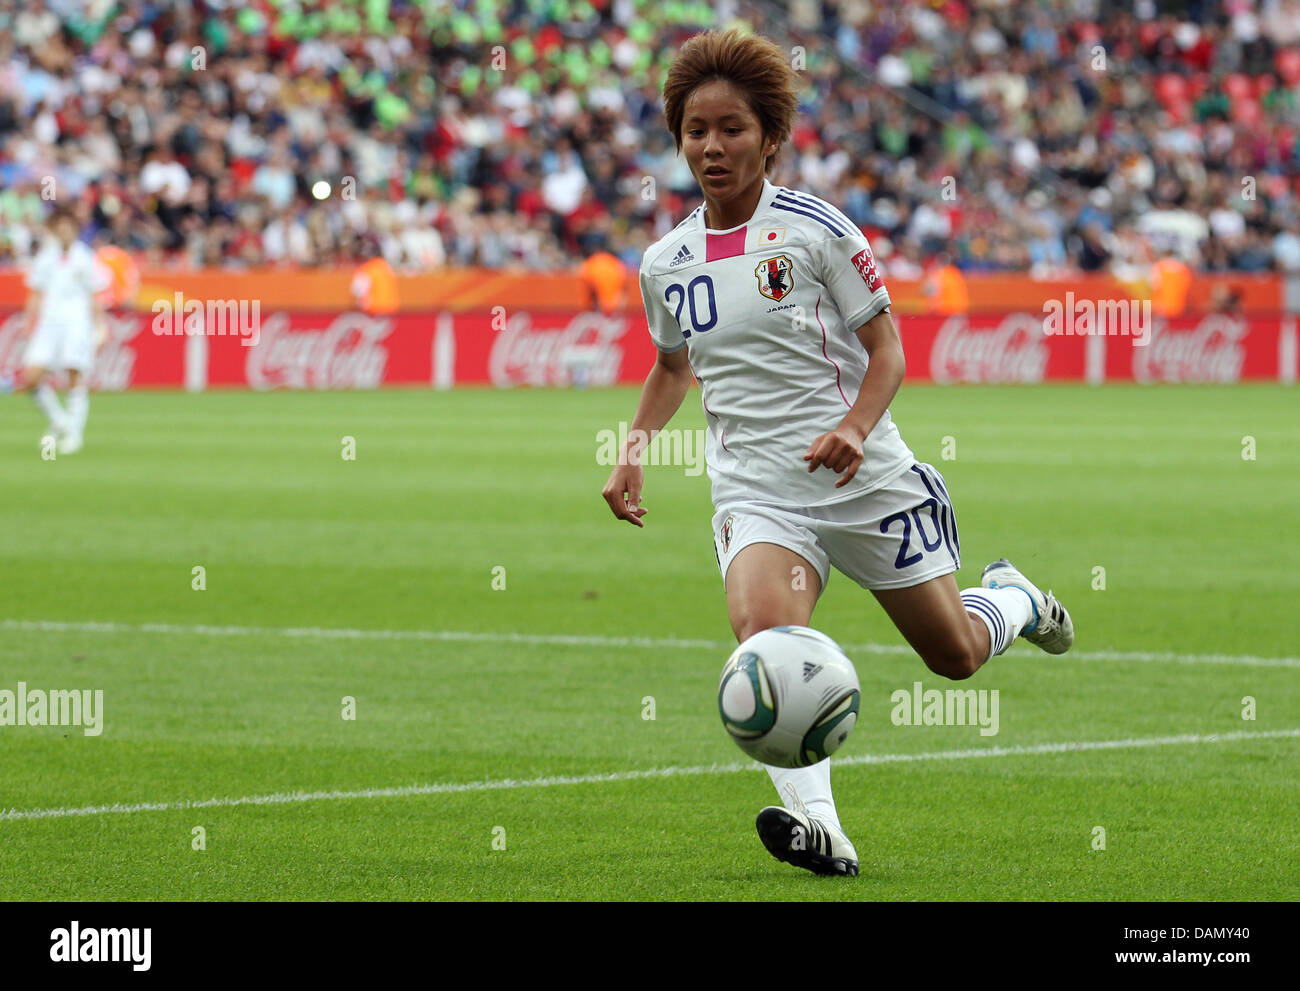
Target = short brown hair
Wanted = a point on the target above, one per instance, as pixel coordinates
(63, 211)
(753, 64)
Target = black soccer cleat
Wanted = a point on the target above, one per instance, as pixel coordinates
(804, 841)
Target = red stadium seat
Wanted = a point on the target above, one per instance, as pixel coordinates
(1238, 86)
(1246, 111)
(1171, 88)
(1287, 64)
(1264, 84)
(1087, 32)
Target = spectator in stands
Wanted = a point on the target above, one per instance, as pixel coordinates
(945, 286)
(606, 280)
(1170, 281)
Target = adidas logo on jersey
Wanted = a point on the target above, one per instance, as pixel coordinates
(810, 670)
(682, 257)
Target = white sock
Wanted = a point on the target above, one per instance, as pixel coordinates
(1005, 611)
(47, 401)
(78, 408)
(807, 789)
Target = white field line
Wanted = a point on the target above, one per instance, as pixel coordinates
(575, 640)
(506, 784)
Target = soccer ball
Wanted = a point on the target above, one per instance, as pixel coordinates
(789, 696)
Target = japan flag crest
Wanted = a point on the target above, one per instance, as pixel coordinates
(775, 277)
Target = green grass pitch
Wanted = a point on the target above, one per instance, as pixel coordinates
(226, 693)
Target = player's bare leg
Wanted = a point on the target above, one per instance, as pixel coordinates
(934, 621)
(956, 632)
(30, 377)
(34, 379)
(764, 590)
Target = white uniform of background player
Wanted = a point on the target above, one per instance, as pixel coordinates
(66, 322)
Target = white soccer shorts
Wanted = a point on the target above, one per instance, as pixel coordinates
(896, 536)
(58, 346)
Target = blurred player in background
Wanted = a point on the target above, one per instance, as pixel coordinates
(771, 299)
(374, 285)
(66, 324)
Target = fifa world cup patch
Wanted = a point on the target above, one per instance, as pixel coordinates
(865, 263)
(775, 277)
(726, 532)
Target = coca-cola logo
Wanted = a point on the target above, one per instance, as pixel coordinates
(587, 348)
(1209, 352)
(12, 342)
(114, 361)
(865, 263)
(1012, 351)
(345, 354)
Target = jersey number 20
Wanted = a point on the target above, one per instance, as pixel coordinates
(686, 294)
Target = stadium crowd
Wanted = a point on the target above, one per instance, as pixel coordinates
(1052, 136)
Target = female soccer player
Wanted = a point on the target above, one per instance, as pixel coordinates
(770, 298)
(60, 312)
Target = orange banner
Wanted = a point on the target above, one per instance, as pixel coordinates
(464, 290)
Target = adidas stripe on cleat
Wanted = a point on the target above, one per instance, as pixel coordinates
(1051, 627)
(803, 841)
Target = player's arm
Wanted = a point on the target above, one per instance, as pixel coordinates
(886, 367)
(98, 281)
(98, 320)
(841, 449)
(661, 396)
(34, 299)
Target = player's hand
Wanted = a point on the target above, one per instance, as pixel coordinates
(840, 450)
(623, 493)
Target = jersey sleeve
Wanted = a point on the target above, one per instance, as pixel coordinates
(664, 330)
(848, 270)
(38, 273)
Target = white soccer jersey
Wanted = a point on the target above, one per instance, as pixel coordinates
(67, 281)
(769, 312)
